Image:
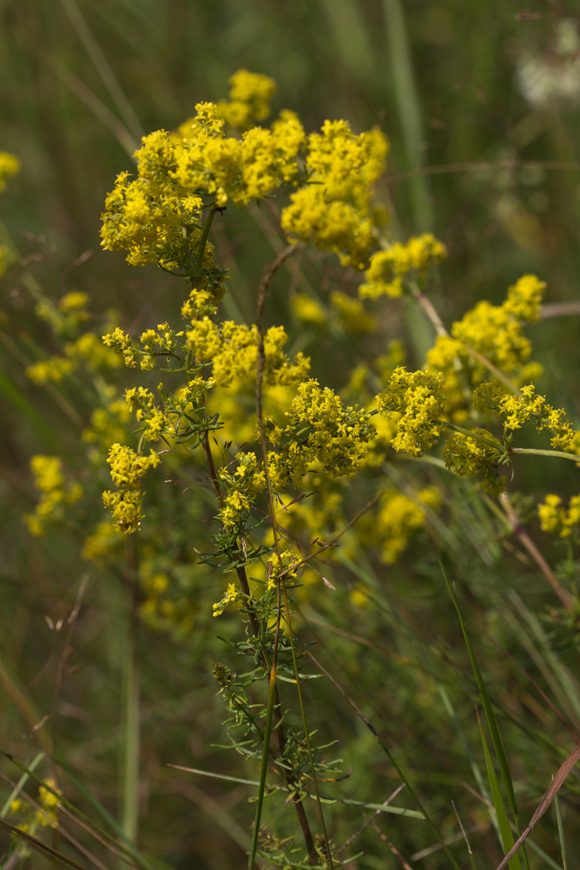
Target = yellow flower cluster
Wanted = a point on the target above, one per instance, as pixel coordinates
(556, 519)
(155, 422)
(418, 399)
(56, 493)
(494, 332)
(334, 211)
(152, 216)
(250, 96)
(127, 470)
(202, 302)
(47, 813)
(469, 457)
(399, 517)
(239, 170)
(516, 410)
(122, 343)
(159, 342)
(279, 564)
(9, 165)
(232, 594)
(243, 485)
(233, 351)
(320, 429)
(389, 269)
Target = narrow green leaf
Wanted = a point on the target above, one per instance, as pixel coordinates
(498, 802)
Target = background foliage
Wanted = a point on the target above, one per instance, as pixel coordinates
(479, 156)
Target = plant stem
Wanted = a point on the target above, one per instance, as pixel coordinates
(203, 242)
(470, 434)
(131, 736)
(557, 454)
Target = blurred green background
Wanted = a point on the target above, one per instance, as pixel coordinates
(480, 102)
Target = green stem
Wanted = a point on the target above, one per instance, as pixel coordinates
(203, 242)
(532, 451)
(558, 454)
(470, 434)
(131, 736)
(265, 759)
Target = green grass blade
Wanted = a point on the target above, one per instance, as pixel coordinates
(485, 699)
(561, 833)
(391, 758)
(128, 849)
(264, 767)
(498, 802)
(20, 785)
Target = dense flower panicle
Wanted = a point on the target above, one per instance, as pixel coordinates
(346, 164)
(515, 410)
(56, 493)
(334, 210)
(240, 170)
(388, 269)
(524, 299)
(556, 519)
(243, 484)
(232, 595)
(250, 96)
(152, 217)
(471, 458)
(331, 226)
(122, 343)
(269, 158)
(319, 428)
(494, 332)
(200, 303)
(155, 422)
(282, 564)
(162, 341)
(9, 165)
(233, 351)
(127, 471)
(419, 399)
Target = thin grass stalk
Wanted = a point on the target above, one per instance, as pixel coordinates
(507, 838)
(561, 833)
(20, 785)
(103, 68)
(280, 585)
(131, 726)
(410, 117)
(265, 752)
(488, 708)
(391, 758)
